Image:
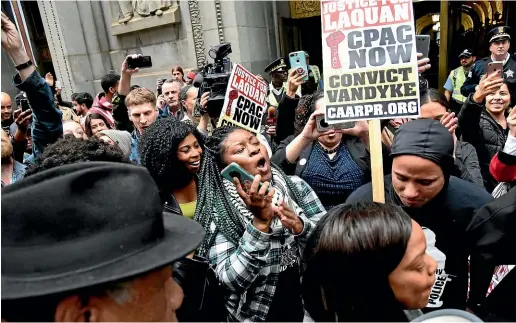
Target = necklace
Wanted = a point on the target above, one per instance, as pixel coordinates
(329, 151)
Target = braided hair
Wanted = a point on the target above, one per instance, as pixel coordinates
(158, 153)
(305, 108)
(213, 198)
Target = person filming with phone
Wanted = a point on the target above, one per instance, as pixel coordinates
(334, 162)
(499, 43)
(256, 231)
(483, 120)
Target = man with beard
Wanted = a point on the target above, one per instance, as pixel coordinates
(421, 184)
(12, 170)
(456, 80)
(499, 43)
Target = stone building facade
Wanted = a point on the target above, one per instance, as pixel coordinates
(88, 39)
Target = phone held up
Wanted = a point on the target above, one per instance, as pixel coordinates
(423, 45)
(234, 170)
(25, 105)
(139, 62)
(298, 62)
(323, 126)
(495, 68)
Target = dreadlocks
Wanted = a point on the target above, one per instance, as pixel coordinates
(213, 198)
(158, 153)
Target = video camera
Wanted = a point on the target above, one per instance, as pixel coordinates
(214, 78)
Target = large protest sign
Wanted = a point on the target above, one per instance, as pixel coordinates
(244, 104)
(370, 60)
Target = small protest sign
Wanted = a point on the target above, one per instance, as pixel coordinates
(244, 104)
(370, 60)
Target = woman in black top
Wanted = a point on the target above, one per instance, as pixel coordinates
(366, 262)
(333, 163)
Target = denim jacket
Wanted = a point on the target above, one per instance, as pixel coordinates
(46, 126)
(135, 140)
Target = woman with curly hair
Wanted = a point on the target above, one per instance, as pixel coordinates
(171, 150)
(255, 232)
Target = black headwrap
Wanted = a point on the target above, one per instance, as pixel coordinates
(428, 139)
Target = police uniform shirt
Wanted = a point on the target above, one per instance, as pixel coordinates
(480, 68)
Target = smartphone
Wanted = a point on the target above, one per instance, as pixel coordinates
(25, 104)
(58, 85)
(234, 170)
(495, 67)
(298, 62)
(423, 45)
(323, 126)
(139, 62)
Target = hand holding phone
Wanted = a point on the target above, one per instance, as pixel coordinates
(323, 126)
(495, 68)
(25, 105)
(298, 63)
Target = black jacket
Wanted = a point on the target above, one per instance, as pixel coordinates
(286, 117)
(467, 164)
(448, 216)
(484, 133)
(493, 238)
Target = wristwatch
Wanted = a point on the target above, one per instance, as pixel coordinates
(23, 66)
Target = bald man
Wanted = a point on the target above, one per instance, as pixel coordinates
(6, 106)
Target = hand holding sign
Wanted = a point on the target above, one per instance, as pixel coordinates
(333, 41)
(233, 95)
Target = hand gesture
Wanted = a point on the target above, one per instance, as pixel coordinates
(422, 63)
(289, 219)
(11, 40)
(204, 100)
(159, 83)
(160, 102)
(258, 201)
(49, 79)
(361, 128)
(487, 85)
(293, 82)
(511, 122)
(22, 119)
(451, 123)
(125, 65)
(271, 130)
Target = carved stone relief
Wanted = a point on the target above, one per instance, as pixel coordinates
(198, 38)
(142, 8)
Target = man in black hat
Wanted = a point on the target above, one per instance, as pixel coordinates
(91, 244)
(456, 80)
(278, 72)
(499, 43)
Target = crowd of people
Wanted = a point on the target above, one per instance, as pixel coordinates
(114, 207)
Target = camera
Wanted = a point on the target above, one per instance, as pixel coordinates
(323, 126)
(214, 78)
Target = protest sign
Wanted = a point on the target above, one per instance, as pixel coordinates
(370, 60)
(244, 104)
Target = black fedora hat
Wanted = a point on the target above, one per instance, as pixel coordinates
(85, 224)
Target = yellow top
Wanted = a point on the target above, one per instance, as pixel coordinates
(188, 209)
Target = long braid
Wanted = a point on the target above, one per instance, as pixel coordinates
(213, 197)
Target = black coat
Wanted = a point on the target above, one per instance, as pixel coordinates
(467, 165)
(448, 215)
(484, 133)
(492, 235)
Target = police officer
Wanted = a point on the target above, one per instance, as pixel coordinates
(277, 88)
(457, 78)
(499, 43)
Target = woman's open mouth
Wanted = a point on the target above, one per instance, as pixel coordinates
(195, 163)
(262, 165)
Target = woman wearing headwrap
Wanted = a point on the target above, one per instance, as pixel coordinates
(254, 237)
(421, 184)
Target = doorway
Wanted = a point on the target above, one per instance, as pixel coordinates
(303, 34)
